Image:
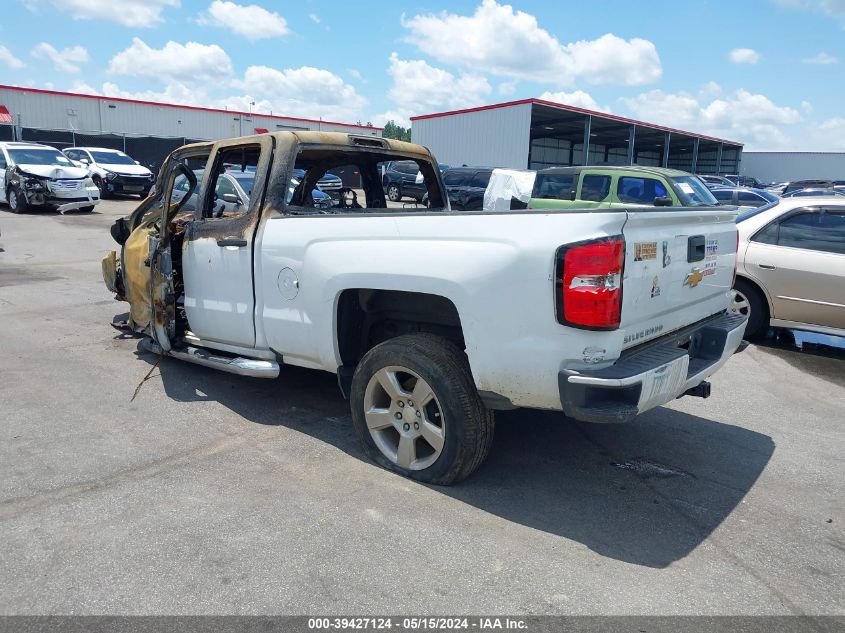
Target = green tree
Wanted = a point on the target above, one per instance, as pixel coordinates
(392, 130)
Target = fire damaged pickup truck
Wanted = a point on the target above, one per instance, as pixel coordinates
(41, 177)
(431, 319)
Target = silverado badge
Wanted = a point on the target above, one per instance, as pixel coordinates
(694, 278)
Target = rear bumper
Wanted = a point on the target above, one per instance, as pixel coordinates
(654, 375)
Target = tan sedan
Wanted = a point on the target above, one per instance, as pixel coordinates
(791, 266)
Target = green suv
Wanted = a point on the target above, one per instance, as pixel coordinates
(608, 187)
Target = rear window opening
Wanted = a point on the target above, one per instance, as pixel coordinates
(329, 181)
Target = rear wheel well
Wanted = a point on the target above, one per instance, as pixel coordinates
(759, 289)
(367, 317)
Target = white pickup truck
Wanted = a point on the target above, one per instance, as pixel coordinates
(431, 319)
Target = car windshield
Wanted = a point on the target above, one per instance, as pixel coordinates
(111, 158)
(22, 156)
(692, 191)
(750, 213)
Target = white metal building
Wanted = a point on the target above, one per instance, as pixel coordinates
(533, 134)
(89, 114)
(786, 166)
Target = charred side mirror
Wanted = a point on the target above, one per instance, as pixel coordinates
(663, 201)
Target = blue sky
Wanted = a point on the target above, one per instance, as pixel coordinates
(768, 73)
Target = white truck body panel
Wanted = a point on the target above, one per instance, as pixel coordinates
(498, 271)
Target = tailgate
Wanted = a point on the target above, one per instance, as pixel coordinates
(679, 266)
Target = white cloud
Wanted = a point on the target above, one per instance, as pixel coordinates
(826, 136)
(741, 116)
(250, 21)
(67, 60)
(314, 18)
(822, 59)
(132, 13)
(10, 60)
(506, 88)
(578, 99)
(419, 88)
(80, 87)
(174, 92)
(305, 92)
(502, 41)
(744, 56)
(190, 63)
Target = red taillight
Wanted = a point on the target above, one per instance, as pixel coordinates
(589, 283)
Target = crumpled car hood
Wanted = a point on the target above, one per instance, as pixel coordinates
(129, 170)
(53, 172)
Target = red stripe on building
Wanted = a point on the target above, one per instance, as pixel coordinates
(5, 115)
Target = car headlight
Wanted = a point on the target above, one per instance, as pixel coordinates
(111, 175)
(89, 182)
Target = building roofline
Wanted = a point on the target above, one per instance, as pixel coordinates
(797, 151)
(184, 107)
(563, 106)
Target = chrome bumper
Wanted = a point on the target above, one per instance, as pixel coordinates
(654, 375)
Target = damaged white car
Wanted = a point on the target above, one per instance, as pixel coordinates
(38, 176)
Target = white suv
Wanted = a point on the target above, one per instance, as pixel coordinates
(112, 170)
(39, 176)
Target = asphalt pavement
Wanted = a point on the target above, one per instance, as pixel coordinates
(217, 494)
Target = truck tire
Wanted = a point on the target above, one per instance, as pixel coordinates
(17, 201)
(416, 410)
(749, 301)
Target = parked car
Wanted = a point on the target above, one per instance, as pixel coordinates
(745, 181)
(329, 183)
(743, 196)
(810, 193)
(465, 187)
(797, 185)
(610, 187)
(400, 181)
(431, 321)
(717, 181)
(777, 188)
(233, 191)
(839, 185)
(113, 171)
(36, 176)
(791, 266)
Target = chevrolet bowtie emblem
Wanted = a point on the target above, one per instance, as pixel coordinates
(694, 278)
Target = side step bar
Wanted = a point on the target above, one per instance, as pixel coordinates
(253, 367)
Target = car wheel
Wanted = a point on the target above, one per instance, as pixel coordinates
(747, 300)
(416, 410)
(17, 200)
(393, 193)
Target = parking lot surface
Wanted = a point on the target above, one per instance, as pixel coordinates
(217, 494)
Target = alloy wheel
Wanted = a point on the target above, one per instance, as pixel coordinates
(739, 303)
(404, 418)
